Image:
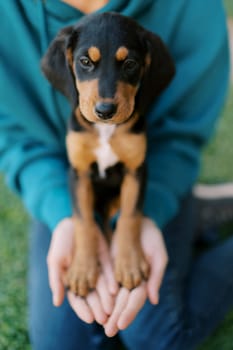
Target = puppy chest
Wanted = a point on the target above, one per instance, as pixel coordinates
(105, 155)
(106, 148)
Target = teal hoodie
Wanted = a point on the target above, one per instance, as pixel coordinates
(33, 116)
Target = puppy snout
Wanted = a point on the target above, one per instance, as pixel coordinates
(105, 110)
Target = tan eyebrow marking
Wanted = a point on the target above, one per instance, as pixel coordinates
(148, 60)
(122, 53)
(94, 53)
(69, 56)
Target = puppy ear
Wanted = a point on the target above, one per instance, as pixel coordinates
(159, 70)
(55, 64)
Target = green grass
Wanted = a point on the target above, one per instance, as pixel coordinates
(229, 7)
(13, 264)
(222, 339)
(217, 164)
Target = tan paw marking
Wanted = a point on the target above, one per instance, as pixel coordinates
(82, 275)
(131, 267)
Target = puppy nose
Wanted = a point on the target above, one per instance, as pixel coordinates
(105, 110)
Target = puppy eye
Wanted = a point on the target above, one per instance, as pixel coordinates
(130, 65)
(86, 63)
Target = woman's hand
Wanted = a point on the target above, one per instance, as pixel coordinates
(129, 303)
(98, 304)
(115, 311)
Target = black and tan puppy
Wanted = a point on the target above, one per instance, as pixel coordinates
(111, 70)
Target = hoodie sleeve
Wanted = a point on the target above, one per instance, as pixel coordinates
(188, 109)
(36, 171)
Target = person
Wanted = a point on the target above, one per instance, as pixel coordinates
(185, 298)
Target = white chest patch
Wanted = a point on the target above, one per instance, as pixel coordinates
(104, 153)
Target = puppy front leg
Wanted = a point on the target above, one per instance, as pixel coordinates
(131, 266)
(83, 272)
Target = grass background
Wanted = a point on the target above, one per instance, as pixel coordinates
(217, 166)
(229, 7)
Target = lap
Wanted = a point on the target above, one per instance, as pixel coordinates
(195, 295)
(169, 325)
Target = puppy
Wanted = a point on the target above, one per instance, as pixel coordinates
(111, 69)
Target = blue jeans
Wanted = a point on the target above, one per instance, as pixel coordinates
(195, 295)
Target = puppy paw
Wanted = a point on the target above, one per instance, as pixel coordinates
(82, 275)
(131, 267)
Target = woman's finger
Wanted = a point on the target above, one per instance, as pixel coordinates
(136, 300)
(81, 308)
(59, 258)
(107, 300)
(158, 265)
(111, 327)
(55, 282)
(152, 241)
(94, 302)
(154, 282)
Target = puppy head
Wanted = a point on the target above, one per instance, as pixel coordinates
(109, 65)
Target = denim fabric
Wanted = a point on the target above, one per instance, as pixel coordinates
(194, 297)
